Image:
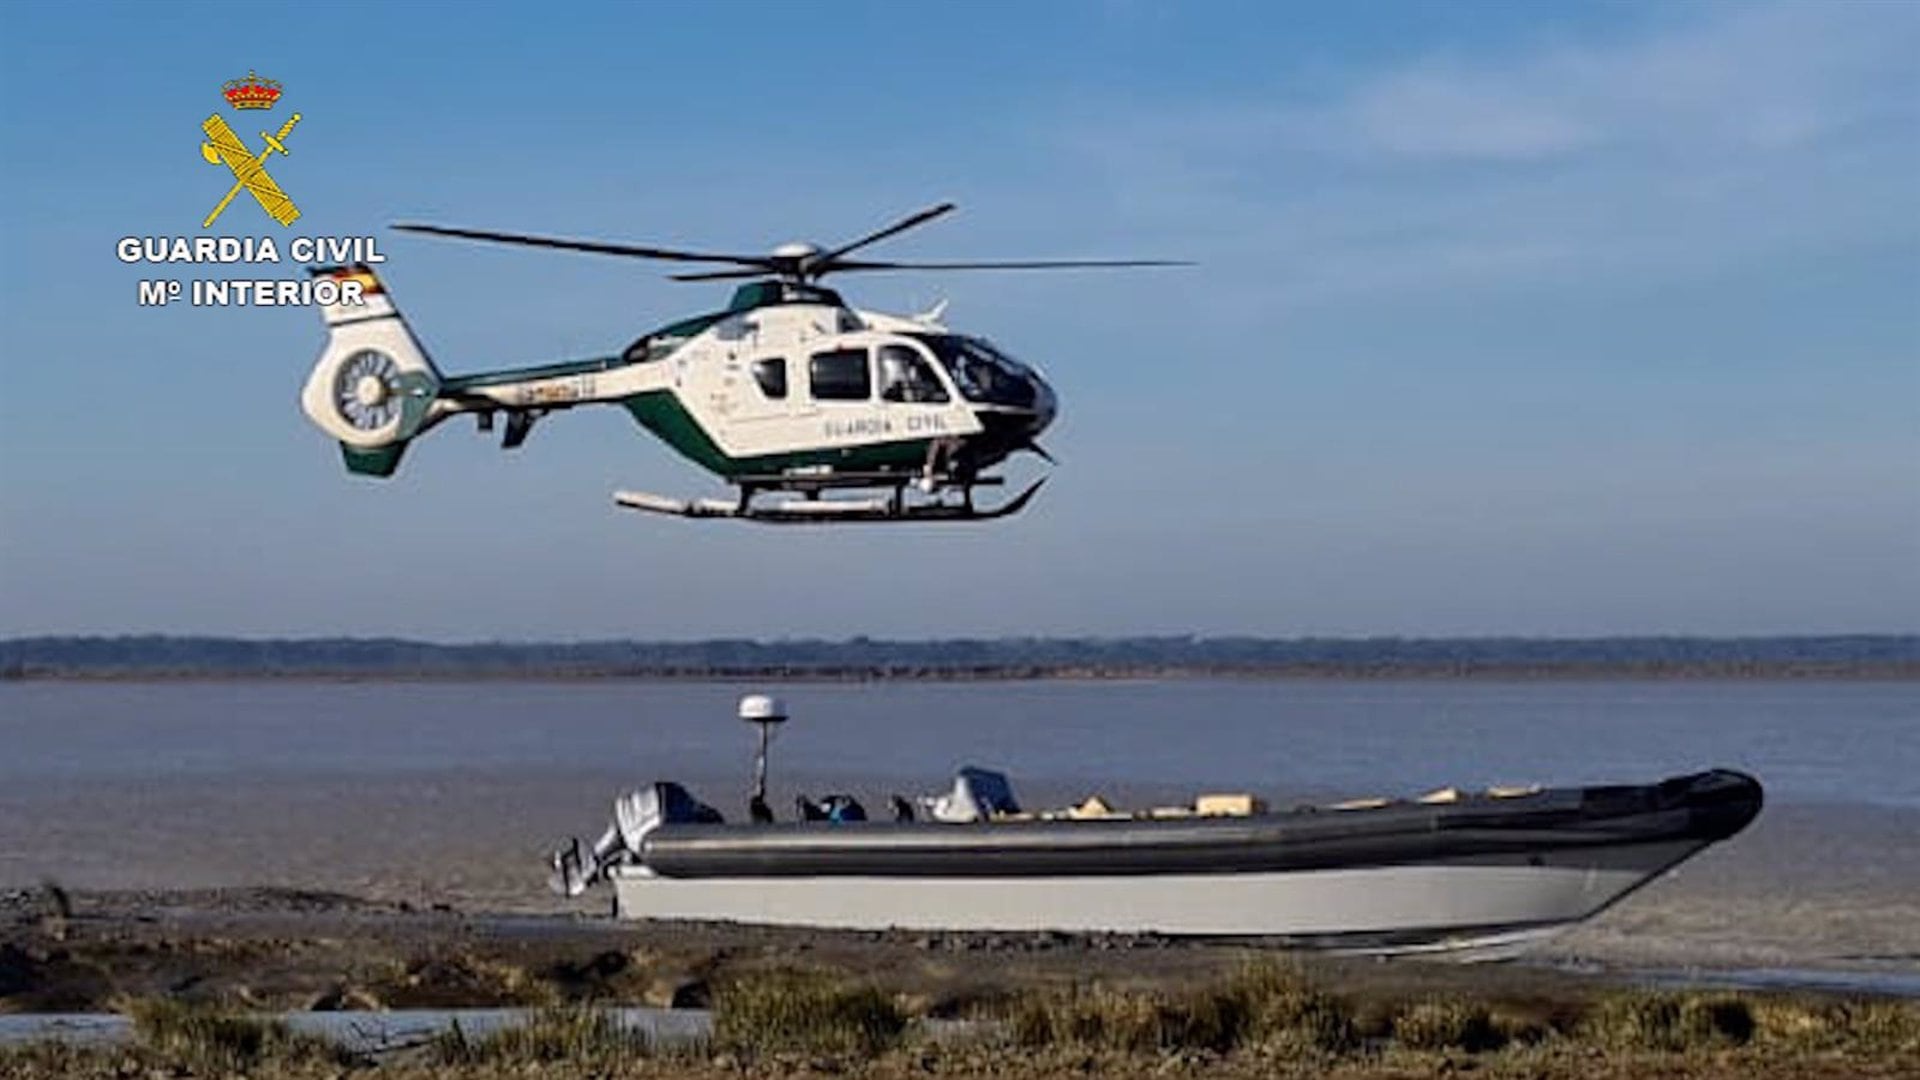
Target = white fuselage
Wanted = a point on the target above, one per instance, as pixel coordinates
(715, 376)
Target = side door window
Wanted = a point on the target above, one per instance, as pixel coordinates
(771, 374)
(840, 375)
(906, 376)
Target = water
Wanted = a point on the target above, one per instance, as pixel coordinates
(1827, 742)
(454, 792)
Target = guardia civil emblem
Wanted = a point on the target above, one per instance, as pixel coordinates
(249, 170)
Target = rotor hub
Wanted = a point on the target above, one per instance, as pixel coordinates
(371, 390)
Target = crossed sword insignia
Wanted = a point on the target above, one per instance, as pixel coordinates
(249, 169)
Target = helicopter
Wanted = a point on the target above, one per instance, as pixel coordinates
(787, 394)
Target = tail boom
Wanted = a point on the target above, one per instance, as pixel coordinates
(374, 388)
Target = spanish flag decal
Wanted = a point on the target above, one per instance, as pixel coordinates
(369, 283)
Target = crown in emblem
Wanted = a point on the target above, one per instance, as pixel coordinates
(252, 92)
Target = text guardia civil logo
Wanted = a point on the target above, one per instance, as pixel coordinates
(223, 147)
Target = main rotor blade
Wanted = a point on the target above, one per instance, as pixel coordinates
(1018, 264)
(718, 275)
(826, 258)
(598, 248)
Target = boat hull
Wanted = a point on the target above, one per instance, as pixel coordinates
(1478, 903)
(1449, 871)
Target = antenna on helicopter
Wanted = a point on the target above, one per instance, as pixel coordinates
(766, 713)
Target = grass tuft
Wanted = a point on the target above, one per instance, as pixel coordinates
(1286, 1011)
(1860, 1025)
(579, 1035)
(1264, 1005)
(207, 1038)
(1093, 1018)
(806, 1013)
(1448, 1025)
(47, 1058)
(1670, 1022)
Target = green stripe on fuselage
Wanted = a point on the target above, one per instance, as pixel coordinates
(660, 412)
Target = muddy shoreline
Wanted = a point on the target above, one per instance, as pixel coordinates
(295, 950)
(200, 955)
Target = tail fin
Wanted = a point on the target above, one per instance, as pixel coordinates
(373, 387)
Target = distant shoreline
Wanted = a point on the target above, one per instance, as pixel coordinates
(1889, 672)
(165, 658)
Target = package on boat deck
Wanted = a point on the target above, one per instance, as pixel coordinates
(1235, 805)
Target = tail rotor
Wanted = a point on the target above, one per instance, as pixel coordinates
(373, 387)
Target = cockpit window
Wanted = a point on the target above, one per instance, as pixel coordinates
(771, 374)
(982, 372)
(840, 375)
(906, 376)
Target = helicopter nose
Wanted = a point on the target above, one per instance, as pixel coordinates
(1044, 404)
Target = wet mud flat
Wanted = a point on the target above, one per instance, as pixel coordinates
(1023, 1005)
(294, 950)
(291, 950)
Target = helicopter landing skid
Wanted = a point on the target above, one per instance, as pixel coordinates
(817, 511)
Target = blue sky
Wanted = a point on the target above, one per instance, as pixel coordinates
(1509, 318)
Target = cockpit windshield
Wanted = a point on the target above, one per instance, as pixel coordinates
(981, 372)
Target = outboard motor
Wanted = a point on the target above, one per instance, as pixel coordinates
(635, 814)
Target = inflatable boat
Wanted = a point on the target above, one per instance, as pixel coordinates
(1483, 871)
